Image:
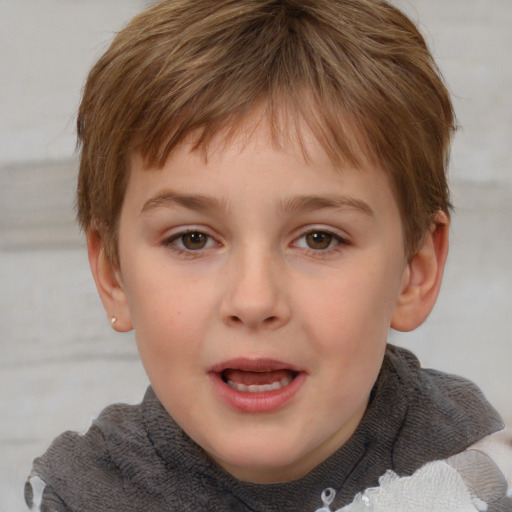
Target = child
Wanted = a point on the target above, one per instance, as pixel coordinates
(263, 188)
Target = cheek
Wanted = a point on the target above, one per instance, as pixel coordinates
(352, 311)
(168, 314)
(160, 293)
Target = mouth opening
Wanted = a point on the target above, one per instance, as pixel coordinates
(257, 381)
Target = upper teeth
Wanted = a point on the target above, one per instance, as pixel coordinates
(255, 388)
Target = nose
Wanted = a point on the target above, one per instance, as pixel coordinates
(255, 292)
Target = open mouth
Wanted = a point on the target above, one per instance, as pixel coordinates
(258, 381)
(257, 385)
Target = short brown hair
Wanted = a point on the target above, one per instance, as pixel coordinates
(187, 67)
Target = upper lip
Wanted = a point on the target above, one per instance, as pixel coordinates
(254, 365)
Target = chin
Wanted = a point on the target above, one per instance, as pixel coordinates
(260, 461)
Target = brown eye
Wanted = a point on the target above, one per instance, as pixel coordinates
(188, 241)
(319, 240)
(194, 240)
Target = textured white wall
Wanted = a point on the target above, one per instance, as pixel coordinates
(61, 363)
(47, 47)
(471, 41)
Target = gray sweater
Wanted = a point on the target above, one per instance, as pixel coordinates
(136, 458)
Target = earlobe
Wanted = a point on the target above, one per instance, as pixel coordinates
(108, 283)
(423, 277)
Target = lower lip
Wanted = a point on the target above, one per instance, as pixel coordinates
(267, 401)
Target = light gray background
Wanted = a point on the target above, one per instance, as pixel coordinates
(60, 363)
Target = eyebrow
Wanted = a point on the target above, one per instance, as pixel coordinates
(313, 203)
(202, 203)
(169, 198)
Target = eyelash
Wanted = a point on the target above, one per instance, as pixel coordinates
(171, 242)
(323, 252)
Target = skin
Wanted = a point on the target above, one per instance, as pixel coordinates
(259, 253)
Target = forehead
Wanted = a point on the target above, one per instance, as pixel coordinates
(288, 168)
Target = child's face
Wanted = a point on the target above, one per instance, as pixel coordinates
(261, 287)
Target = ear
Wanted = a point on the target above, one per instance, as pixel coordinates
(423, 277)
(109, 284)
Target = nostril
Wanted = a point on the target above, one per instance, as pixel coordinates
(234, 319)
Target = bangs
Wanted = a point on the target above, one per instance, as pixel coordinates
(284, 71)
(286, 121)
